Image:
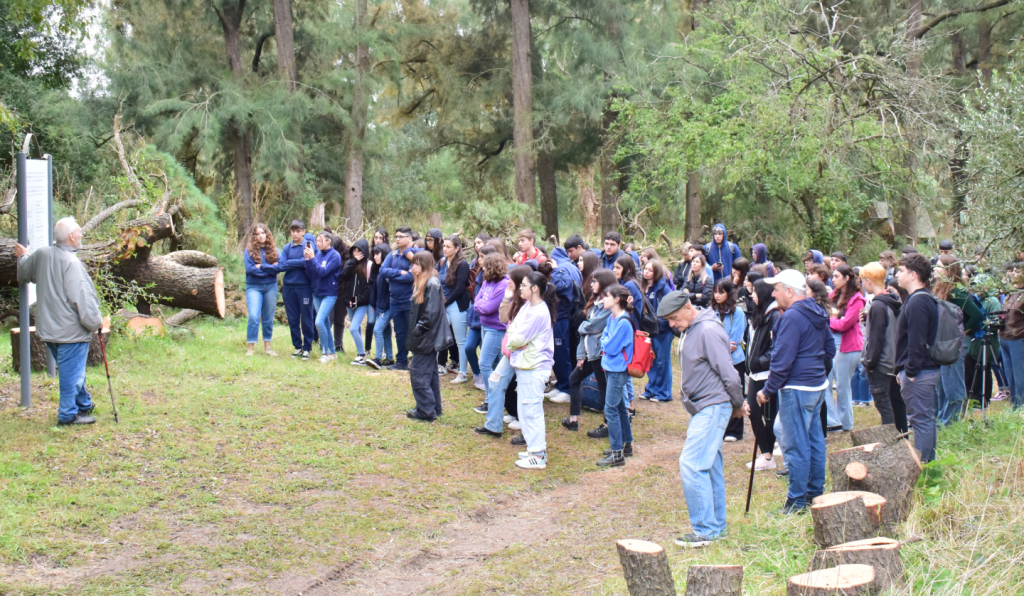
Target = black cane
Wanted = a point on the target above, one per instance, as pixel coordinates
(753, 458)
(103, 351)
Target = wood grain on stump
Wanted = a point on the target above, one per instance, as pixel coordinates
(844, 580)
(645, 566)
(714, 580)
(846, 517)
(885, 434)
(38, 348)
(883, 554)
(891, 471)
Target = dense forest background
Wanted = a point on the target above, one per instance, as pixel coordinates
(839, 125)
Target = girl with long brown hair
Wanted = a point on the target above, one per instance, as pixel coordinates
(454, 272)
(588, 354)
(588, 264)
(429, 333)
(845, 322)
(261, 269)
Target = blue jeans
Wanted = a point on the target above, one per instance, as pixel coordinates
(951, 390)
(261, 300)
(627, 393)
(803, 443)
(659, 378)
(355, 317)
(615, 414)
(496, 394)
(71, 359)
(382, 334)
(400, 321)
(298, 307)
(1013, 366)
(859, 385)
(564, 362)
(323, 306)
(490, 352)
(457, 318)
(844, 365)
(472, 343)
(701, 470)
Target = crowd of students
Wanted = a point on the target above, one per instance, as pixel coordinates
(793, 351)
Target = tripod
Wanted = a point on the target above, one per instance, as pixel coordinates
(981, 368)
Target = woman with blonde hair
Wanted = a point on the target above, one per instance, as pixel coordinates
(261, 269)
(429, 333)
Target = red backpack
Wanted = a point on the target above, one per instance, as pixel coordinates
(643, 355)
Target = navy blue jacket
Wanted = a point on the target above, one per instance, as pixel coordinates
(395, 269)
(803, 349)
(322, 271)
(609, 262)
(292, 262)
(564, 276)
(654, 295)
(265, 274)
(380, 295)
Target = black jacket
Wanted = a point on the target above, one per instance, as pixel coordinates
(681, 275)
(700, 293)
(429, 330)
(879, 347)
(915, 331)
(357, 287)
(759, 352)
(458, 292)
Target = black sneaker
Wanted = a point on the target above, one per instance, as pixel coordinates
(627, 450)
(600, 432)
(86, 411)
(483, 430)
(387, 362)
(782, 471)
(398, 367)
(692, 540)
(791, 508)
(413, 414)
(632, 414)
(481, 409)
(297, 353)
(612, 459)
(518, 440)
(373, 363)
(574, 425)
(78, 420)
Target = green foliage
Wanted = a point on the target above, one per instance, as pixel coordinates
(934, 482)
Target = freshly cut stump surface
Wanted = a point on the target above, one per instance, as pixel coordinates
(883, 554)
(714, 580)
(846, 517)
(844, 580)
(645, 567)
(891, 471)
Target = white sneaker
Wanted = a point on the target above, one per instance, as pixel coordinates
(763, 464)
(478, 382)
(508, 419)
(359, 361)
(442, 370)
(333, 356)
(250, 352)
(535, 461)
(560, 398)
(515, 425)
(729, 439)
(325, 359)
(777, 452)
(459, 378)
(550, 394)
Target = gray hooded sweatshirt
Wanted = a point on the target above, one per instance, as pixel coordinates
(67, 308)
(708, 375)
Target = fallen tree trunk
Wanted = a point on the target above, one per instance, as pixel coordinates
(844, 580)
(882, 554)
(891, 472)
(885, 434)
(714, 580)
(846, 517)
(174, 284)
(645, 567)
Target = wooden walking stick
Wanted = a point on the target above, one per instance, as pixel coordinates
(753, 458)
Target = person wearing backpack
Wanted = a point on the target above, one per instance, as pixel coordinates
(566, 279)
(625, 271)
(916, 330)
(711, 392)
(952, 389)
(879, 354)
(617, 347)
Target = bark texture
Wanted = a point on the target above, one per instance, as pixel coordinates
(284, 33)
(645, 566)
(885, 434)
(846, 517)
(548, 193)
(844, 580)
(891, 472)
(714, 580)
(693, 230)
(522, 103)
(354, 158)
(587, 199)
(882, 554)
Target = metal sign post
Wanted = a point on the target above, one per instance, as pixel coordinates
(35, 230)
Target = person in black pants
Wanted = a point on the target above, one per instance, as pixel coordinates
(763, 316)
(879, 354)
(588, 354)
(429, 333)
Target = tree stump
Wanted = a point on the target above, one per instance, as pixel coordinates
(844, 580)
(885, 434)
(38, 348)
(714, 580)
(139, 325)
(645, 566)
(846, 517)
(890, 471)
(883, 554)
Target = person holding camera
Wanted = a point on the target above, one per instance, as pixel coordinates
(721, 254)
(296, 291)
(322, 268)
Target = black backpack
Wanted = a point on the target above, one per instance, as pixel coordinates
(949, 336)
(649, 323)
(576, 314)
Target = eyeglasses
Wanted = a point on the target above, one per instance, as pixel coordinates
(399, 236)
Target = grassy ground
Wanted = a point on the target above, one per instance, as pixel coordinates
(265, 476)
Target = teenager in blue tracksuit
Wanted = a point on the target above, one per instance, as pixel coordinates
(396, 270)
(655, 285)
(564, 277)
(721, 253)
(297, 293)
(322, 268)
(612, 251)
(380, 299)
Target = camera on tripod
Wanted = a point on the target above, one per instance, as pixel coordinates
(995, 322)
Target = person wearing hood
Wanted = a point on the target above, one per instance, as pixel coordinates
(798, 374)
(655, 287)
(813, 257)
(764, 314)
(721, 253)
(296, 291)
(380, 301)
(434, 243)
(323, 267)
(565, 278)
(879, 354)
(357, 279)
(760, 252)
(711, 392)
(612, 251)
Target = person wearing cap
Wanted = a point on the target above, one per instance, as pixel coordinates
(946, 247)
(798, 375)
(711, 392)
(297, 291)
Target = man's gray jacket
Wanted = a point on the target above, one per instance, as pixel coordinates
(705, 360)
(67, 308)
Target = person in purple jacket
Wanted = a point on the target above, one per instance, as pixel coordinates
(322, 269)
(492, 330)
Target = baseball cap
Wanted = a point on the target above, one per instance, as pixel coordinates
(946, 245)
(789, 277)
(672, 302)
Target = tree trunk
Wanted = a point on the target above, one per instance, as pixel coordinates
(846, 517)
(522, 103)
(907, 222)
(587, 200)
(693, 231)
(714, 580)
(548, 193)
(883, 554)
(177, 285)
(959, 57)
(985, 49)
(645, 566)
(886, 434)
(357, 134)
(610, 218)
(39, 350)
(844, 580)
(891, 472)
(241, 147)
(285, 36)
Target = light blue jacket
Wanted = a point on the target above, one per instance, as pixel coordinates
(735, 325)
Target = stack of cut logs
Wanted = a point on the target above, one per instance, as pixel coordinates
(873, 485)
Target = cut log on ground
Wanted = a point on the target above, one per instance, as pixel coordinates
(39, 349)
(883, 554)
(886, 434)
(139, 324)
(646, 569)
(182, 317)
(714, 580)
(846, 517)
(888, 471)
(844, 580)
